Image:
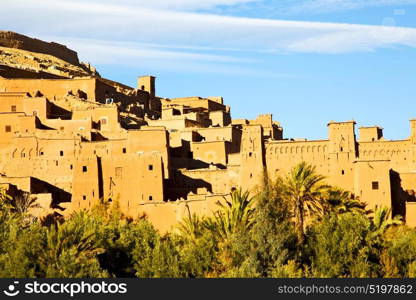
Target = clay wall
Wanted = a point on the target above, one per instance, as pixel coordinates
(370, 134)
(210, 152)
(133, 179)
(166, 216)
(220, 118)
(400, 153)
(196, 102)
(52, 88)
(85, 188)
(282, 156)
(151, 139)
(372, 183)
(75, 127)
(106, 117)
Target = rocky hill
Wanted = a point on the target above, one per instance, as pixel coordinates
(25, 57)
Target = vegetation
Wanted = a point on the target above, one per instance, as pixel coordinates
(295, 227)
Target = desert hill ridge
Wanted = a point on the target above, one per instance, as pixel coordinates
(26, 57)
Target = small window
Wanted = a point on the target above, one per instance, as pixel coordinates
(119, 172)
(342, 149)
(150, 167)
(375, 185)
(84, 197)
(84, 169)
(8, 128)
(22, 154)
(143, 87)
(13, 108)
(251, 175)
(150, 198)
(103, 121)
(71, 167)
(250, 154)
(124, 150)
(62, 128)
(342, 172)
(61, 153)
(56, 162)
(41, 153)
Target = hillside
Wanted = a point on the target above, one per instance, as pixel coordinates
(24, 57)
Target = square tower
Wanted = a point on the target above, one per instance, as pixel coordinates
(413, 129)
(371, 134)
(342, 137)
(147, 83)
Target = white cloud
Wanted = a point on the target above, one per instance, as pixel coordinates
(111, 30)
(326, 6)
(116, 50)
(160, 57)
(180, 4)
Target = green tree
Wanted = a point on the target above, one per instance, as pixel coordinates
(198, 256)
(70, 249)
(272, 240)
(303, 188)
(399, 252)
(381, 220)
(5, 200)
(19, 247)
(341, 246)
(235, 215)
(338, 201)
(192, 226)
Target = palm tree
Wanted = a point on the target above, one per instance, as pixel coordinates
(339, 201)
(69, 239)
(381, 220)
(235, 215)
(5, 200)
(23, 202)
(192, 226)
(303, 188)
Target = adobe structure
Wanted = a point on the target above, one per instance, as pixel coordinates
(70, 138)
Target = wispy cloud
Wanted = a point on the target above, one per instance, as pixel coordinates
(179, 4)
(130, 51)
(168, 31)
(286, 8)
(162, 57)
(327, 6)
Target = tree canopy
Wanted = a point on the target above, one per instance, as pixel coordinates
(297, 226)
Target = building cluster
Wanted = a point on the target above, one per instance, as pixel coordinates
(74, 140)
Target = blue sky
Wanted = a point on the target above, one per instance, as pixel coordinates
(305, 61)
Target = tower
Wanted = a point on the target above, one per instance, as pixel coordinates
(342, 138)
(252, 157)
(342, 152)
(147, 83)
(413, 130)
